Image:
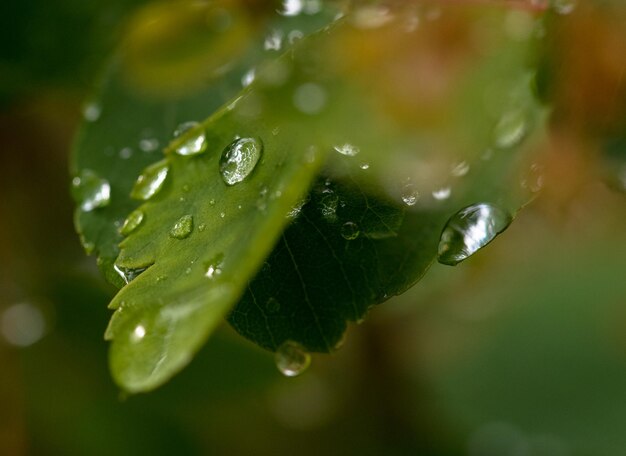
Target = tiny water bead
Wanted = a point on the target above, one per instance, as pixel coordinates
(214, 266)
(132, 222)
(91, 191)
(194, 145)
(292, 359)
(442, 193)
(511, 129)
(469, 230)
(348, 150)
(239, 159)
(150, 181)
(248, 78)
(350, 231)
(183, 227)
(410, 195)
(91, 112)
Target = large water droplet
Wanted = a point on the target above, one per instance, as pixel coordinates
(511, 129)
(150, 181)
(350, 231)
(183, 227)
(469, 230)
(132, 222)
(194, 145)
(239, 159)
(348, 150)
(91, 190)
(292, 359)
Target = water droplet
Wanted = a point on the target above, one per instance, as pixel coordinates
(297, 208)
(370, 17)
(460, 169)
(364, 166)
(149, 144)
(292, 359)
(128, 274)
(91, 191)
(194, 145)
(469, 230)
(91, 112)
(222, 214)
(410, 195)
(309, 98)
(132, 222)
(248, 78)
(273, 41)
(183, 227)
(534, 179)
(214, 267)
(138, 333)
(442, 193)
(272, 305)
(239, 159)
(347, 149)
(126, 153)
(22, 324)
(202, 227)
(511, 129)
(294, 36)
(150, 181)
(563, 6)
(350, 231)
(328, 204)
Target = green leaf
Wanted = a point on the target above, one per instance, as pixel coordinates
(356, 179)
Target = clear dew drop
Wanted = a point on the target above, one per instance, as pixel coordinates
(91, 191)
(150, 181)
(511, 129)
(213, 268)
(182, 228)
(128, 274)
(194, 145)
(442, 193)
(410, 195)
(132, 222)
(469, 230)
(292, 359)
(348, 150)
(350, 231)
(239, 159)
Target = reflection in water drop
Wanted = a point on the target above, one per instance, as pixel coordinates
(91, 190)
(348, 150)
(194, 145)
(132, 222)
(469, 230)
(150, 181)
(22, 324)
(350, 231)
(292, 359)
(239, 159)
(182, 228)
(309, 98)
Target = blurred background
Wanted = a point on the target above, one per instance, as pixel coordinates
(521, 350)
